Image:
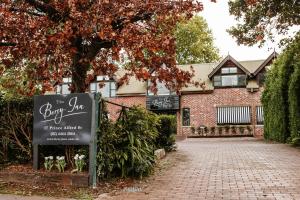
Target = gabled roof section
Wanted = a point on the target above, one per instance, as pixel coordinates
(221, 64)
(270, 58)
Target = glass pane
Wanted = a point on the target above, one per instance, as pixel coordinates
(113, 85)
(65, 89)
(185, 116)
(232, 70)
(162, 89)
(93, 87)
(58, 89)
(67, 80)
(104, 90)
(225, 70)
(102, 78)
(230, 80)
(217, 81)
(112, 93)
(217, 78)
(241, 80)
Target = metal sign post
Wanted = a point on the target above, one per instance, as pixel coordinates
(93, 144)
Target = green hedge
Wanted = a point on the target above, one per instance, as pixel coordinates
(281, 96)
(294, 92)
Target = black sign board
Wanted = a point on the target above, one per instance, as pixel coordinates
(167, 102)
(63, 119)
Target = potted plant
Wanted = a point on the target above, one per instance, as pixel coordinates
(212, 130)
(249, 128)
(227, 129)
(233, 130)
(193, 130)
(242, 130)
(220, 129)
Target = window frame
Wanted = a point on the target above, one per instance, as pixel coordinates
(183, 116)
(66, 82)
(150, 93)
(109, 82)
(257, 113)
(234, 109)
(234, 73)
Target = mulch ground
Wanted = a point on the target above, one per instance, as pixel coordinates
(74, 192)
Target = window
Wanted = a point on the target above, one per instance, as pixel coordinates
(185, 117)
(161, 89)
(107, 90)
(234, 115)
(261, 79)
(230, 80)
(64, 87)
(259, 115)
(229, 70)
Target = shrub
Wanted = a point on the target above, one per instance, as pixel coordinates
(193, 129)
(212, 130)
(227, 128)
(126, 148)
(167, 132)
(16, 122)
(242, 130)
(281, 96)
(233, 130)
(220, 128)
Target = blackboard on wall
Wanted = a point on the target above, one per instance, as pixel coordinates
(166, 102)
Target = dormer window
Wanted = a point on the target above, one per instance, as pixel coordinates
(161, 89)
(105, 85)
(229, 77)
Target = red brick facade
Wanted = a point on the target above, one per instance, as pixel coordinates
(203, 107)
(126, 101)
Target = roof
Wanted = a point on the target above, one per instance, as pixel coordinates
(270, 58)
(227, 58)
(203, 73)
(134, 86)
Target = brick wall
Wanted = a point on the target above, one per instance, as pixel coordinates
(203, 107)
(126, 101)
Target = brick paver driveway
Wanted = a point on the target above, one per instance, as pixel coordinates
(224, 168)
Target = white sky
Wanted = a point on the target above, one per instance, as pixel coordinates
(218, 19)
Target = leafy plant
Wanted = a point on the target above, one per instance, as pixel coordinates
(60, 163)
(249, 128)
(48, 163)
(296, 141)
(193, 129)
(212, 130)
(167, 132)
(79, 162)
(220, 128)
(16, 122)
(126, 148)
(227, 129)
(242, 130)
(233, 130)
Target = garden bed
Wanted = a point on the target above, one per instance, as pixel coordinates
(25, 174)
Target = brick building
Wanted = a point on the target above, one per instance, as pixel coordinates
(229, 104)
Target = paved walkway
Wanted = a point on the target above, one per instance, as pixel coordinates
(224, 168)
